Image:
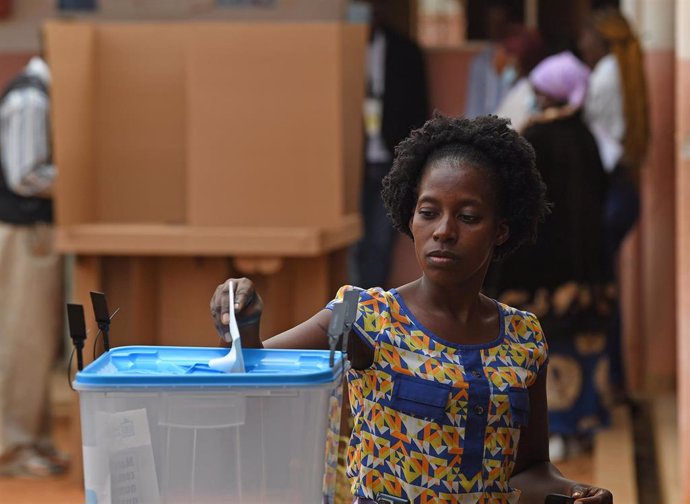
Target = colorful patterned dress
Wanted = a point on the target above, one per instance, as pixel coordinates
(434, 421)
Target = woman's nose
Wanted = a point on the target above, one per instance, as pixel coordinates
(446, 230)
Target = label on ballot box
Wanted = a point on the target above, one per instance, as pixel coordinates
(123, 470)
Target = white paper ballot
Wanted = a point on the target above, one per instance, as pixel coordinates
(233, 362)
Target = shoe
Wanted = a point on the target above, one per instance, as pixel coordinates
(55, 456)
(27, 462)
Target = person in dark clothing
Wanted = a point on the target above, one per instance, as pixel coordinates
(564, 278)
(396, 102)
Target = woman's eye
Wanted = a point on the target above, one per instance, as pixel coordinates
(427, 214)
(470, 219)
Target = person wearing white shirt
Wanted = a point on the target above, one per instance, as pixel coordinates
(30, 277)
(604, 110)
(25, 135)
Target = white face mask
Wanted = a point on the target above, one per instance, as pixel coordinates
(509, 74)
(533, 107)
(359, 12)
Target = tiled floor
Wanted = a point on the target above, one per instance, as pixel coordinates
(57, 490)
(578, 468)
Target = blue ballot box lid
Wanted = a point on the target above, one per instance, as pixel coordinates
(177, 367)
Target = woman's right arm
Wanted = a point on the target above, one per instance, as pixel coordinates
(311, 334)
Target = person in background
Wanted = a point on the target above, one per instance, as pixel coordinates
(447, 386)
(396, 102)
(490, 76)
(565, 277)
(617, 112)
(524, 49)
(30, 277)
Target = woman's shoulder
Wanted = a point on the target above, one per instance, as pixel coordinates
(374, 294)
(521, 325)
(524, 333)
(544, 122)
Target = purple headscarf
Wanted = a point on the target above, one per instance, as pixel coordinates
(562, 77)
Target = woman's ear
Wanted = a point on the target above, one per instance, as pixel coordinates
(502, 232)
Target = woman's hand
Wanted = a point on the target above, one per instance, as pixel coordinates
(590, 495)
(248, 305)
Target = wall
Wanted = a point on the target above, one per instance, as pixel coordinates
(20, 39)
(654, 22)
(682, 191)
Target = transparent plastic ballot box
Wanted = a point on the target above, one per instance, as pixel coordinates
(160, 426)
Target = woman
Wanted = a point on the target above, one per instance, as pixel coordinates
(526, 49)
(563, 278)
(448, 386)
(616, 110)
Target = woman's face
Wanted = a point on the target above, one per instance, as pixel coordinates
(592, 46)
(455, 225)
(544, 101)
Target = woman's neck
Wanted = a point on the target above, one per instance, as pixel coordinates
(461, 302)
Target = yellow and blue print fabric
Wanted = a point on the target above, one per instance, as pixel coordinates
(434, 421)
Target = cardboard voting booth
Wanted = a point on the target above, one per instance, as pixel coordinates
(191, 152)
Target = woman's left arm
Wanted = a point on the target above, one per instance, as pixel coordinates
(534, 473)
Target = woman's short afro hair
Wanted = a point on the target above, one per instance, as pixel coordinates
(486, 142)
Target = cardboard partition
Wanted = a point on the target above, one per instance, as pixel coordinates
(70, 52)
(207, 124)
(269, 114)
(119, 122)
(141, 124)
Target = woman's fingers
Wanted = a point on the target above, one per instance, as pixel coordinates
(219, 307)
(592, 495)
(247, 302)
(244, 297)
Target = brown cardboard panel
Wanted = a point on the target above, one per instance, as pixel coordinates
(207, 124)
(265, 123)
(277, 292)
(353, 89)
(312, 286)
(448, 70)
(337, 274)
(295, 292)
(130, 284)
(166, 240)
(185, 287)
(140, 123)
(70, 54)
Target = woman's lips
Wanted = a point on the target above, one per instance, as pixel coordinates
(441, 257)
